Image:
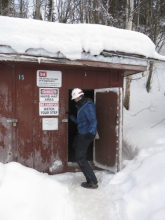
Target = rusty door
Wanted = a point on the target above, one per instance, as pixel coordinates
(16, 115)
(24, 104)
(109, 117)
(22, 138)
(6, 113)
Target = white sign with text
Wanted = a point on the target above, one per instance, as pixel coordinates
(48, 78)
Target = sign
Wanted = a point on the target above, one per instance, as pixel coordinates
(49, 124)
(48, 108)
(47, 78)
(49, 95)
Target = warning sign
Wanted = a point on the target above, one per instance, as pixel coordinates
(49, 78)
(49, 95)
(48, 108)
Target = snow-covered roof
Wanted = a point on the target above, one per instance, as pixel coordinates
(34, 37)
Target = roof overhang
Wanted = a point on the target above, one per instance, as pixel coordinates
(114, 62)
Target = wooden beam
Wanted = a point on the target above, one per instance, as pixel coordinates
(127, 69)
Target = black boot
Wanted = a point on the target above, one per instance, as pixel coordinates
(89, 185)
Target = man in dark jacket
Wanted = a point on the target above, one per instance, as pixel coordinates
(87, 127)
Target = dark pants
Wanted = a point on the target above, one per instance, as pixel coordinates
(80, 144)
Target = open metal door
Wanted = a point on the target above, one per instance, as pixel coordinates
(107, 148)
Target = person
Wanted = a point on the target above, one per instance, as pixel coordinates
(87, 127)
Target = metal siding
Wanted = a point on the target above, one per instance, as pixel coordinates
(103, 79)
(75, 78)
(89, 79)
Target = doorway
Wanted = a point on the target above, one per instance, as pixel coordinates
(72, 127)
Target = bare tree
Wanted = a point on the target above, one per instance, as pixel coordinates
(129, 19)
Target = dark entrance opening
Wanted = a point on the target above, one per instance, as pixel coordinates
(72, 127)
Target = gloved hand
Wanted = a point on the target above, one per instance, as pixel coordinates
(90, 136)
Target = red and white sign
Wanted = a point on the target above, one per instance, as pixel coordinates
(48, 108)
(42, 74)
(49, 94)
(47, 78)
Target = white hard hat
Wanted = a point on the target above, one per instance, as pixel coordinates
(76, 93)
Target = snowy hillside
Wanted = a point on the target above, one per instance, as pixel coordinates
(142, 181)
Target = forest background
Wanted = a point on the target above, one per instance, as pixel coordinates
(145, 16)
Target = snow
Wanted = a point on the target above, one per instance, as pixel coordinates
(57, 166)
(28, 194)
(44, 38)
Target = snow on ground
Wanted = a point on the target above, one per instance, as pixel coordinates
(27, 194)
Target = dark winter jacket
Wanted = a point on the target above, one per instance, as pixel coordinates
(86, 118)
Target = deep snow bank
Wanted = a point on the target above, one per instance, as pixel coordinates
(142, 183)
(146, 110)
(27, 194)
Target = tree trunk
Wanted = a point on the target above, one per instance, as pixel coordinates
(81, 12)
(45, 10)
(70, 12)
(138, 16)
(95, 12)
(37, 10)
(148, 84)
(8, 8)
(51, 10)
(129, 18)
(154, 25)
(127, 93)
(1, 11)
(107, 9)
(129, 14)
(21, 8)
(87, 11)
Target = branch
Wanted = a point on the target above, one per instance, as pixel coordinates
(158, 123)
(139, 77)
(149, 108)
